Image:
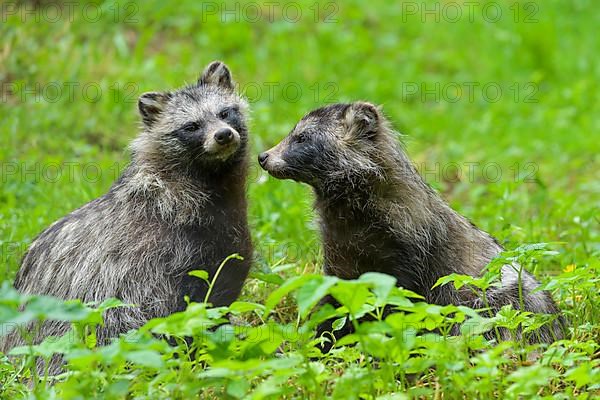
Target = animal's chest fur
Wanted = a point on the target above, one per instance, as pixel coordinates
(214, 240)
(224, 232)
(354, 247)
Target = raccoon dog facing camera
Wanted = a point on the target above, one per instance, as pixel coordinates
(180, 205)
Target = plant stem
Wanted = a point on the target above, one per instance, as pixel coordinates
(214, 279)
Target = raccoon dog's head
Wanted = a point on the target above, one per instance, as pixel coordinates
(332, 145)
(200, 125)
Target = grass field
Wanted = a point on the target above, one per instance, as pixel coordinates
(500, 108)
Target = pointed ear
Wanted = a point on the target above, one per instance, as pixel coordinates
(362, 119)
(151, 104)
(218, 74)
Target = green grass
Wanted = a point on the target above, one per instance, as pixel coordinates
(540, 134)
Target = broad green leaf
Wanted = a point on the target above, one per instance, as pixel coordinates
(351, 294)
(288, 286)
(309, 294)
(199, 273)
(145, 358)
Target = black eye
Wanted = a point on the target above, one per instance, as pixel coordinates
(226, 113)
(191, 127)
(301, 138)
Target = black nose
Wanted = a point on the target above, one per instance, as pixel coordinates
(262, 158)
(224, 136)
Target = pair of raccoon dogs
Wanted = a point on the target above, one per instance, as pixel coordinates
(180, 205)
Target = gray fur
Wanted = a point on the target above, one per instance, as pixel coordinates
(377, 214)
(179, 206)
